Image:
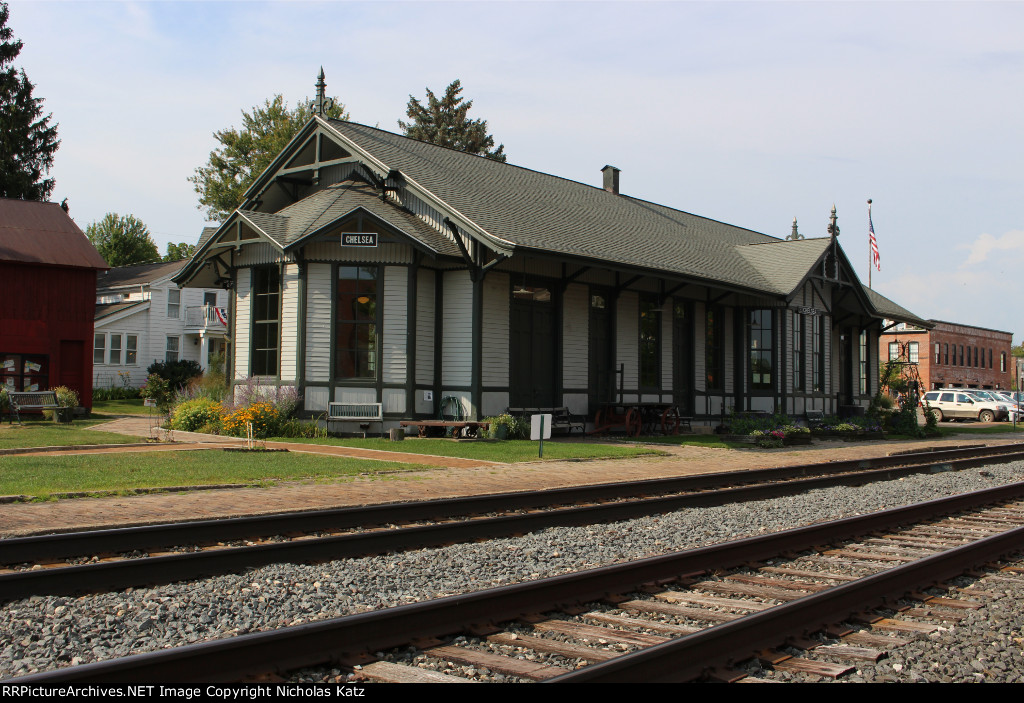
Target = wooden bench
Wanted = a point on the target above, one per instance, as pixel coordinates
(439, 428)
(363, 413)
(29, 400)
(561, 418)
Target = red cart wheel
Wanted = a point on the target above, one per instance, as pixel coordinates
(670, 421)
(634, 423)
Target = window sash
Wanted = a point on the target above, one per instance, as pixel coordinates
(172, 349)
(99, 348)
(173, 303)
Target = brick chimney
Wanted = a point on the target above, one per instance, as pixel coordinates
(611, 179)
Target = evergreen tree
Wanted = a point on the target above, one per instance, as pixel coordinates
(244, 154)
(27, 141)
(177, 252)
(123, 241)
(445, 122)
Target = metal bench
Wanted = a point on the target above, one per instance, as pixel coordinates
(815, 418)
(363, 413)
(561, 418)
(29, 400)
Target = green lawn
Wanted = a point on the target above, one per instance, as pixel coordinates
(43, 433)
(508, 451)
(108, 408)
(41, 476)
(947, 428)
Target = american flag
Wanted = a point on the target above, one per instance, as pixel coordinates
(873, 242)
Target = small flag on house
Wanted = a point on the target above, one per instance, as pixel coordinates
(222, 316)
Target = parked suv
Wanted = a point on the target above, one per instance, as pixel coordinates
(959, 404)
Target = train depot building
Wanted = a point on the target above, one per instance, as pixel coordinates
(366, 267)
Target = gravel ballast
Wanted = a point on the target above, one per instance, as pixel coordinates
(47, 632)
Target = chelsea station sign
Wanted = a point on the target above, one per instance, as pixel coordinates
(359, 239)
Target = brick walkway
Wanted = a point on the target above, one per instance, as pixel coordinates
(449, 478)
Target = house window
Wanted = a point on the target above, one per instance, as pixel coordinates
(173, 348)
(266, 320)
(798, 351)
(650, 343)
(818, 354)
(355, 315)
(173, 303)
(714, 349)
(115, 349)
(894, 351)
(99, 348)
(913, 355)
(760, 335)
(131, 350)
(863, 362)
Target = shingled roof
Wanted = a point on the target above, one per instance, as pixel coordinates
(140, 274)
(323, 208)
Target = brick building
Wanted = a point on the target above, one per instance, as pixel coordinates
(952, 355)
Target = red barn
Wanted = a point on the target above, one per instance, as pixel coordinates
(48, 273)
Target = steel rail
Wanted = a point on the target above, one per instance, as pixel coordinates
(123, 573)
(330, 640)
(687, 658)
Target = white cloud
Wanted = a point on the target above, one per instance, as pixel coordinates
(985, 244)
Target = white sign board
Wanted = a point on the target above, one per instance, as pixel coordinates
(149, 403)
(535, 427)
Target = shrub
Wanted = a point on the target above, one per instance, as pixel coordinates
(176, 373)
(264, 418)
(158, 389)
(284, 398)
(198, 413)
(66, 398)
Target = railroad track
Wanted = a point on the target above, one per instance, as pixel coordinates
(669, 618)
(114, 559)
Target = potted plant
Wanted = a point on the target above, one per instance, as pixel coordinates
(67, 401)
(501, 426)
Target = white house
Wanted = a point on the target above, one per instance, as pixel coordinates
(142, 317)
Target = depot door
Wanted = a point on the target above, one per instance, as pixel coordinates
(532, 349)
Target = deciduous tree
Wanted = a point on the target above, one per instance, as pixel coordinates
(245, 153)
(445, 122)
(27, 140)
(177, 252)
(122, 241)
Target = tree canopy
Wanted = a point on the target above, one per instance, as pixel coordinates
(27, 140)
(179, 251)
(245, 153)
(122, 241)
(445, 122)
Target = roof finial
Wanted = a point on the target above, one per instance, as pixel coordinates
(795, 234)
(323, 103)
(833, 228)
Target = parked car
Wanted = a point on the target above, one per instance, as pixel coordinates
(958, 404)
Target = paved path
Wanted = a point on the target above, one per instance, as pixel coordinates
(456, 478)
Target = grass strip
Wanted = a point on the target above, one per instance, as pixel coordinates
(49, 434)
(41, 476)
(507, 451)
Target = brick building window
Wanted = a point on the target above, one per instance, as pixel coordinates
(912, 353)
(1002, 362)
(945, 350)
(937, 353)
(894, 351)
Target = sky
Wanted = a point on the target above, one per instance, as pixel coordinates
(751, 113)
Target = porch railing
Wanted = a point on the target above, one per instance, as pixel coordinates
(206, 317)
